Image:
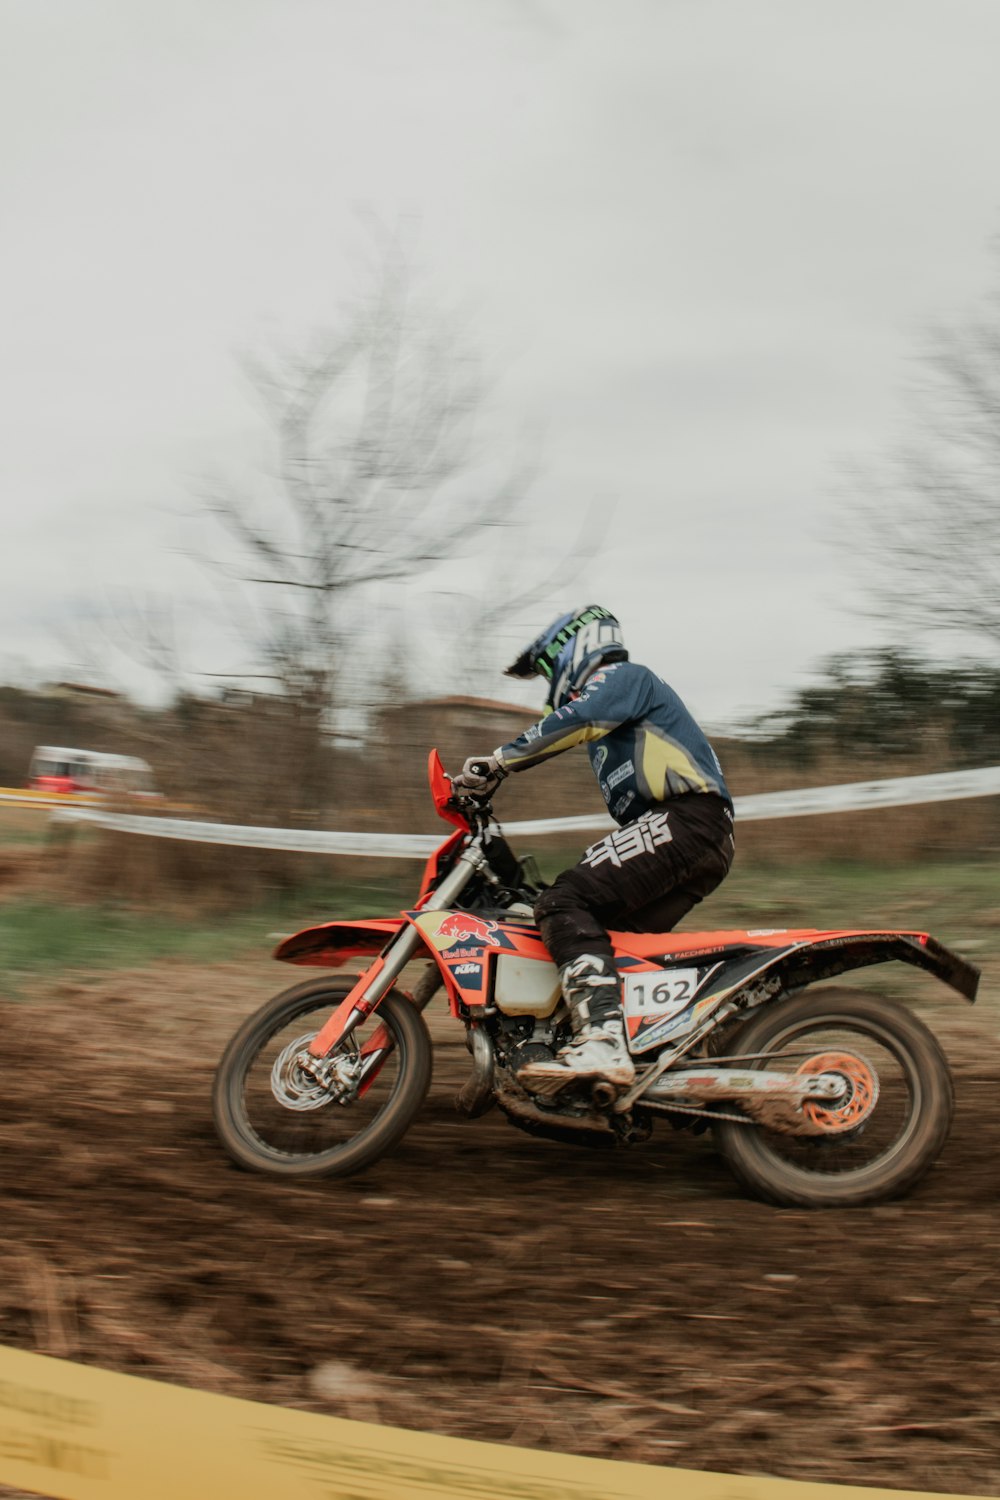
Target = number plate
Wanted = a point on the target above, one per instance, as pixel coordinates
(658, 993)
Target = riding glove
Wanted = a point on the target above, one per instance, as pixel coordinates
(481, 775)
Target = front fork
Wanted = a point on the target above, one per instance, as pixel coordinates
(375, 983)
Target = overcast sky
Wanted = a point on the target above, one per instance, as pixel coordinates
(698, 240)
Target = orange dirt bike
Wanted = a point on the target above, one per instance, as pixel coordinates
(831, 1097)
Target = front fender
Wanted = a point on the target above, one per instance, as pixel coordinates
(332, 944)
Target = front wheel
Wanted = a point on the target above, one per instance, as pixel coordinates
(271, 1116)
(895, 1115)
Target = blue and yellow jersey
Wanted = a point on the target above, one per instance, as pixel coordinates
(643, 743)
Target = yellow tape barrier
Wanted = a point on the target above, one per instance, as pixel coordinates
(20, 796)
(24, 797)
(77, 1433)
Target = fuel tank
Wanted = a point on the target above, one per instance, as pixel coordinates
(526, 986)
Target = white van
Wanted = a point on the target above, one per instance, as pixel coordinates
(57, 769)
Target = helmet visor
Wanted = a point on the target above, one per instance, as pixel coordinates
(542, 657)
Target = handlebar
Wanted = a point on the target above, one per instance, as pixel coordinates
(472, 802)
(477, 807)
(476, 810)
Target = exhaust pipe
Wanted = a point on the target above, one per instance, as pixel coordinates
(476, 1096)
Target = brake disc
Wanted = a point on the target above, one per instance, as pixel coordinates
(301, 1081)
(857, 1101)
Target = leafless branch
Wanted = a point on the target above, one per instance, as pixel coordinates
(377, 470)
(929, 515)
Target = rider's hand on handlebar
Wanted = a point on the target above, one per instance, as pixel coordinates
(479, 777)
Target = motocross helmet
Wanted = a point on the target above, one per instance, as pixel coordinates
(569, 650)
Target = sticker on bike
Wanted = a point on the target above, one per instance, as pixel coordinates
(662, 1004)
(463, 927)
(657, 995)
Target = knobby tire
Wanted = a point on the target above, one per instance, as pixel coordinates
(761, 1169)
(232, 1123)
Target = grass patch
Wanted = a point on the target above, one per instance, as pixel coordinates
(39, 936)
(947, 896)
(957, 903)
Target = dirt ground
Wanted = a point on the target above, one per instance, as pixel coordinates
(482, 1283)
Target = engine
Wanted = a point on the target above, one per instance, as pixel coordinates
(523, 1039)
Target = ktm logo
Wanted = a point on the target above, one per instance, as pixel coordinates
(462, 927)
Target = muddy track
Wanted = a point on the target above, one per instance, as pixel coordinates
(481, 1283)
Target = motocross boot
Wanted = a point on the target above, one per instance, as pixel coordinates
(592, 990)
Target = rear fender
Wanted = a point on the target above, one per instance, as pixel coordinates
(807, 961)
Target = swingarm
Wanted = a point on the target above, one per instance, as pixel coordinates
(813, 1101)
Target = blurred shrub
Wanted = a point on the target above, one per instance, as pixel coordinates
(875, 715)
(263, 760)
(888, 703)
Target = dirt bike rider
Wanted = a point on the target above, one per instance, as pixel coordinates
(663, 784)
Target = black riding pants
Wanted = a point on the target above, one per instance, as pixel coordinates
(641, 878)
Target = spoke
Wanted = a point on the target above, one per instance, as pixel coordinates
(298, 1108)
(875, 1113)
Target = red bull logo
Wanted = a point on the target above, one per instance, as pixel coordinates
(464, 928)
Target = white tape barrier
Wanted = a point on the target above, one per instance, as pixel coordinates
(857, 796)
(295, 840)
(861, 796)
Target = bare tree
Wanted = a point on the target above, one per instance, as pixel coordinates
(928, 518)
(377, 474)
(379, 470)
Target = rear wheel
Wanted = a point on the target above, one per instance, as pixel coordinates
(887, 1126)
(272, 1116)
